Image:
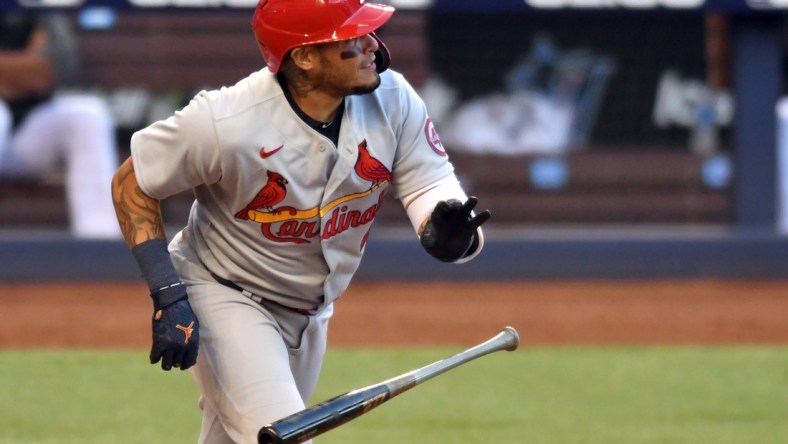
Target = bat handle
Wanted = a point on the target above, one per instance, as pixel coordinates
(508, 339)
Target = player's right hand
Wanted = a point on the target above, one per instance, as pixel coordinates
(176, 336)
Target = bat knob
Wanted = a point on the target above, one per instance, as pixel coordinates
(514, 338)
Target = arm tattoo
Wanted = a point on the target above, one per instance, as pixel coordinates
(139, 215)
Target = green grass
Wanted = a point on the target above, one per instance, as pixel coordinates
(93, 397)
(534, 395)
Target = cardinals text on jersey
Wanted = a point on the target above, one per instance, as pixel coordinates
(299, 226)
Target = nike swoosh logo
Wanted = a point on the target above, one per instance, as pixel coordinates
(264, 154)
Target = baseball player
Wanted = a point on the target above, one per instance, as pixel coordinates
(40, 129)
(288, 167)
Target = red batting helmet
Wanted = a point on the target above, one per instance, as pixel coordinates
(281, 25)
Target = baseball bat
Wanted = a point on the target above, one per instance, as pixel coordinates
(318, 419)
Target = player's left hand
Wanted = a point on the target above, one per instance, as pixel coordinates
(451, 229)
(176, 336)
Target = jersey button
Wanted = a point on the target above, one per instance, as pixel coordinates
(321, 147)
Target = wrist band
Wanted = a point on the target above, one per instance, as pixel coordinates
(168, 287)
(168, 295)
(156, 266)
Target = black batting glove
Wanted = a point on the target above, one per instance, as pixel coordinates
(451, 229)
(176, 336)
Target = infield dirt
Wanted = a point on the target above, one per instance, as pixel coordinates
(117, 315)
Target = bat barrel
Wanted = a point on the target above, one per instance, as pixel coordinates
(323, 417)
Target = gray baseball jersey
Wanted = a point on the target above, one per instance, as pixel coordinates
(279, 210)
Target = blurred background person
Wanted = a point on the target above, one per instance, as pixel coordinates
(44, 129)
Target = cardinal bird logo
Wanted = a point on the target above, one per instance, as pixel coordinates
(272, 193)
(369, 168)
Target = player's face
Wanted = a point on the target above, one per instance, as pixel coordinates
(348, 67)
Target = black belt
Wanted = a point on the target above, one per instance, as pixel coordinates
(257, 298)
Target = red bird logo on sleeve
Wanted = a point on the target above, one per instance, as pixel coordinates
(271, 194)
(369, 168)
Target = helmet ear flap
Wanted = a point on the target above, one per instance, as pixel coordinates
(382, 55)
